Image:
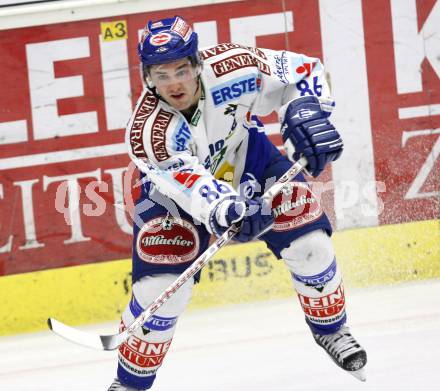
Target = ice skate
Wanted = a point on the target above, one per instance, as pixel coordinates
(345, 351)
(117, 386)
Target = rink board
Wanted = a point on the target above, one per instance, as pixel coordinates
(387, 111)
(239, 273)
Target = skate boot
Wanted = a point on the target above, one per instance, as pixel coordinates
(117, 386)
(344, 351)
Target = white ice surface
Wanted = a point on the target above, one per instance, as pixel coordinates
(256, 347)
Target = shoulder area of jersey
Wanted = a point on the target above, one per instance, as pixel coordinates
(226, 58)
(149, 105)
(228, 48)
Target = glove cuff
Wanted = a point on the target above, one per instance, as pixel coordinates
(225, 213)
(229, 212)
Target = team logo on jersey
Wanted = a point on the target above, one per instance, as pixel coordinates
(224, 47)
(196, 117)
(295, 207)
(306, 68)
(186, 178)
(175, 165)
(238, 61)
(230, 109)
(144, 111)
(166, 240)
(217, 159)
(282, 67)
(235, 88)
(160, 39)
(181, 137)
(158, 135)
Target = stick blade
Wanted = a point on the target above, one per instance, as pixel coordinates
(99, 342)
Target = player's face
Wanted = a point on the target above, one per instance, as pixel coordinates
(177, 83)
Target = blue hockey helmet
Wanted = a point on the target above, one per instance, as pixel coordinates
(168, 40)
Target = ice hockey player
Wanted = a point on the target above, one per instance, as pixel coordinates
(205, 159)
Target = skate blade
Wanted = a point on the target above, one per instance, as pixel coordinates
(360, 374)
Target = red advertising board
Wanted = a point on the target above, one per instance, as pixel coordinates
(67, 90)
(405, 115)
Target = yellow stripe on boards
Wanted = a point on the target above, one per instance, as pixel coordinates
(389, 254)
(239, 273)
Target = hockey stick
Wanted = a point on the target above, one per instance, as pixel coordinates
(111, 342)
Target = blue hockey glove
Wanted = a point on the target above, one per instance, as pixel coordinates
(307, 131)
(254, 216)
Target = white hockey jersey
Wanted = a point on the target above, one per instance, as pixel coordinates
(198, 163)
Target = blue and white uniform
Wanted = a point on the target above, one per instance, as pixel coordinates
(190, 165)
(239, 83)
